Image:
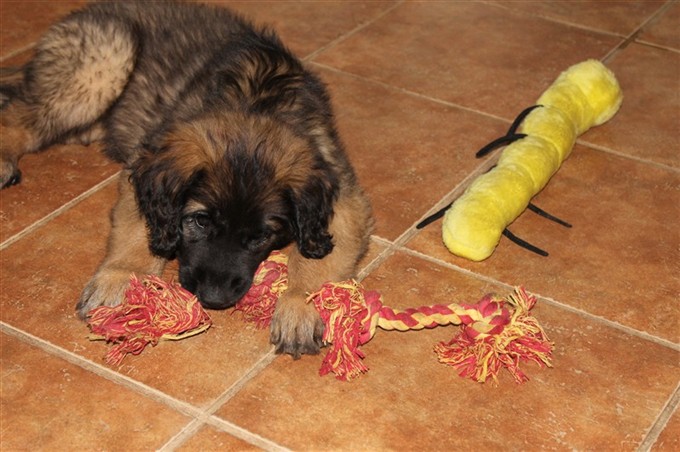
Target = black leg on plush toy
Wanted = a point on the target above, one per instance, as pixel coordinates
(434, 217)
(510, 137)
(498, 143)
(523, 243)
(537, 210)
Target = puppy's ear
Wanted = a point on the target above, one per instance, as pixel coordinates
(313, 208)
(161, 186)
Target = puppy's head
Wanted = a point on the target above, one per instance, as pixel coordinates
(221, 193)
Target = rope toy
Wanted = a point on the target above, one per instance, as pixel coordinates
(495, 333)
(585, 95)
(152, 310)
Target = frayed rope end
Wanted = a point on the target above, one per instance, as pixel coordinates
(152, 310)
(498, 338)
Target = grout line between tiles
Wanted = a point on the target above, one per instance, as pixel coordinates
(16, 52)
(632, 36)
(626, 39)
(254, 371)
(633, 158)
(657, 46)
(246, 435)
(193, 427)
(379, 259)
(548, 300)
(555, 20)
(242, 433)
(614, 50)
(352, 32)
(102, 371)
(661, 421)
(58, 211)
(408, 92)
(200, 416)
(208, 416)
(465, 271)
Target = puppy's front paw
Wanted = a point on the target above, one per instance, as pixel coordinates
(9, 174)
(296, 327)
(106, 288)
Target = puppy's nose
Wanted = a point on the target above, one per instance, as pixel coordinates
(214, 296)
(223, 295)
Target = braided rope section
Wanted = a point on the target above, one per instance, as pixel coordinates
(152, 310)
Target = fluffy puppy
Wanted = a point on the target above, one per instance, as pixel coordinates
(228, 146)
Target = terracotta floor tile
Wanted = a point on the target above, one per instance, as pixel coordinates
(409, 401)
(408, 152)
(617, 261)
(663, 30)
(620, 17)
(44, 273)
(38, 389)
(49, 180)
(209, 438)
(647, 124)
(447, 50)
(20, 26)
(308, 26)
(669, 440)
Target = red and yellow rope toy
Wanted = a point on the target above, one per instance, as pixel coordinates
(495, 333)
(153, 310)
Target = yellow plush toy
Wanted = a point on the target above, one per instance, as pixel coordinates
(585, 95)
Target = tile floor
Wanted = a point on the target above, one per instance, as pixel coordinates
(418, 88)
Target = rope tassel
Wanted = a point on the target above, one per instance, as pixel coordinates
(501, 337)
(153, 310)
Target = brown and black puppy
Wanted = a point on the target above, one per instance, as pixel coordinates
(228, 145)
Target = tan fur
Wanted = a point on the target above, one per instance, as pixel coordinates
(200, 145)
(127, 253)
(295, 320)
(15, 139)
(82, 97)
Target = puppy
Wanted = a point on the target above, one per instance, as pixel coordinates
(228, 146)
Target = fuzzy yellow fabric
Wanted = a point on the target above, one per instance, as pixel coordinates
(585, 95)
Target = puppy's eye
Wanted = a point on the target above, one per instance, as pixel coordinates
(202, 220)
(199, 220)
(259, 241)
